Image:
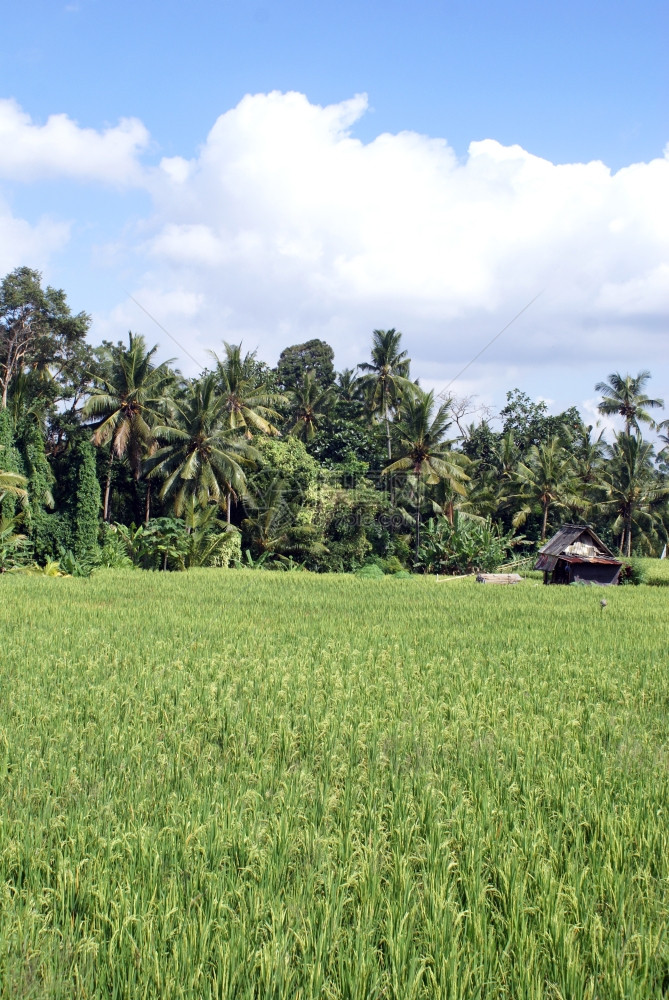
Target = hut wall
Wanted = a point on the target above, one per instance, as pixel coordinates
(561, 573)
(602, 573)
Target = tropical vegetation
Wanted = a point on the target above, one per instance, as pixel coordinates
(306, 466)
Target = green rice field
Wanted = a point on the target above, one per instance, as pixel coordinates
(262, 786)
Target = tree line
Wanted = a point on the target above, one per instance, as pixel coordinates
(109, 456)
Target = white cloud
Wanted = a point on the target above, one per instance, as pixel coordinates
(21, 242)
(61, 148)
(286, 227)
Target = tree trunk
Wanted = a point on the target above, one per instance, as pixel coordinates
(544, 523)
(417, 514)
(229, 507)
(391, 483)
(147, 507)
(105, 508)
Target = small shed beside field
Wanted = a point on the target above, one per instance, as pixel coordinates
(575, 554)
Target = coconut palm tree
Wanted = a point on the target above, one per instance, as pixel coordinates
(663, 425)
(388, 379)
(426, 452)
(626, 396)
(548, 480)
(199, 456)
(310, 405)
(350, 395)
(479, 502)
(248, 401)
(634, 492)
(128, 396)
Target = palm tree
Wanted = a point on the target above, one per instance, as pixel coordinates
(12, 543)
(548, 479)
(272, 529)
(350, 395)
(663, 425)
(426, 452)
(388, 379)
(268, 521)
(635, 493)
(14, 485)
(128, 396)
(626, 397)
(481, 499)
(588, 454)
(11, 485)
(310, 404)
(348, 385)
(248, 401)
(200, 457)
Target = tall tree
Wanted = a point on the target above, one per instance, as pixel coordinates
(626, 396)
(37, 328)
(636, 495)
(350, 396)
(664, 438)
(87, 504)
(387, 379)
(426, 451)
(310, 403)
(315, 356)
(532, 424)
(548, 479)
(127, 398)
(249, 401)
(199, 456)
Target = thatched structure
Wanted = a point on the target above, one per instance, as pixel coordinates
(575, 554)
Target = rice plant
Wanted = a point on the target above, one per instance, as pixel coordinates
(255, 785)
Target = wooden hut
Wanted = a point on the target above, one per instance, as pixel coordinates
(575, 554)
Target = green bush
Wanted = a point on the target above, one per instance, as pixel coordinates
(392, 565)
(467, 545)
(633, 573)
(113, 549)
(370, 572)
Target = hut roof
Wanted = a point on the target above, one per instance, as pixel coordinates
(575, 543)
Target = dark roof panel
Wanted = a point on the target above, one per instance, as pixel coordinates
(570, 534)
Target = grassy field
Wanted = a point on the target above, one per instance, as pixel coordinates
(656, 571)
(255, 785)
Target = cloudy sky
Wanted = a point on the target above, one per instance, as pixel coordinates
(276, 172)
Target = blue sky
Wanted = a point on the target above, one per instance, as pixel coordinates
(169, 207)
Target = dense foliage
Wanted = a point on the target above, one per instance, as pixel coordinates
(304, 465)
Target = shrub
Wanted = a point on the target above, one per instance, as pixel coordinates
(633, 573)
(467, 545)
(370, 572)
